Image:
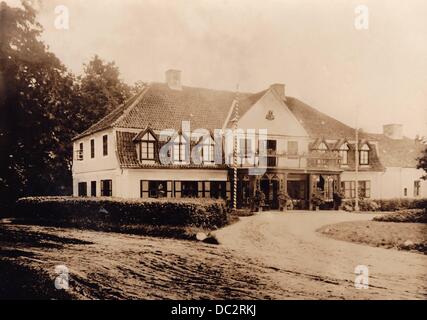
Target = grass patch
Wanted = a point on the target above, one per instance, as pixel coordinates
(390, 235)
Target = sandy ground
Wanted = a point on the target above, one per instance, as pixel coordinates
(117, 266)
(267, 256)
(314, 266)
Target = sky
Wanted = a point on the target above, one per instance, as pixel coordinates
(368, 77)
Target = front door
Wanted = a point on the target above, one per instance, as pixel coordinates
(270, 188)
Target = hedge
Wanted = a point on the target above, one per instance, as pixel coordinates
(94, 212)
(409, 215)
(386, 205)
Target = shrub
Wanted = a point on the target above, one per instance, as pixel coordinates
(386, 205)
(409, 215)
(105, 213)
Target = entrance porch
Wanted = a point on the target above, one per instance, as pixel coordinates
(300, 186)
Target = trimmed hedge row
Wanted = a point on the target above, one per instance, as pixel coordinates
(93, 212)
(386, 205)
(410, 215)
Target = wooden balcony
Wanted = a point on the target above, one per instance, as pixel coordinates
(311, 160)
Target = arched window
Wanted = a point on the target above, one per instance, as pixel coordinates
(179, 149)
(364, 155)
(343, 152)
(147, 146)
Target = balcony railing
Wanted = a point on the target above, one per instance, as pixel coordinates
(311, 160)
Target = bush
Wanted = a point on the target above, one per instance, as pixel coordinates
(107, 213)
(410, 215)
(386, 205)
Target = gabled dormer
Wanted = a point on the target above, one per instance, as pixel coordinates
(343, 149)
(146, 144)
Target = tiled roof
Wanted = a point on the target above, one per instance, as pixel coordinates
(398, 153)
(164, 108)
(318, 124)
(110, 118)
(158, 107)
(245, 103)
(126, 150)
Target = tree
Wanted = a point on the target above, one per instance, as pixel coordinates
(422, 162)
(37, 108)
(101, 91)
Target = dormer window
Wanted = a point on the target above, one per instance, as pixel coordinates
(208, 150)
(322, 148)
(147, 146)
(179, 149)
(343, 152)
(364, 155)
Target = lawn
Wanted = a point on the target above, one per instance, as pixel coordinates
(391, 235)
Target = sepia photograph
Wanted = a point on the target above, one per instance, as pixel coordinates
(194, 151)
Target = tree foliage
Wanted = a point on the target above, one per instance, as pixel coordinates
(422, 163)
(42, 106)
(100, 91)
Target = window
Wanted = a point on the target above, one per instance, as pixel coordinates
(405, 192)
(189, 189)
(364, 189)
(179, 149)
(322, 149)
(79, 153)
(364, 155)
(154, 189)
(218, 189)
(208, 150)
(343, 152)
(293, 148)
(93, 188)
(349, 189)
(147, 147)
(417, 187)
(92, 148)
(246, 148)
(82, 192)
(106, 188)
(105, 145)
(271, 153)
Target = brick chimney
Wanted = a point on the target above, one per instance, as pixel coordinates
(393, 131)
(279, 89)
(173, 79)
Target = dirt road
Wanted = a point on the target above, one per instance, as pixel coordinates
(117, 266)
(268, 256)
(314, 266)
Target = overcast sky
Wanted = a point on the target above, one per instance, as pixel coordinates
(311, 46)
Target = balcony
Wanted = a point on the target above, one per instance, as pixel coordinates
(311, 160)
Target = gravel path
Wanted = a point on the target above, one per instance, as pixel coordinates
(310, 265)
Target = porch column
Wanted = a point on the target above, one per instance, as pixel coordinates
(285, 182)
(310, 191)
